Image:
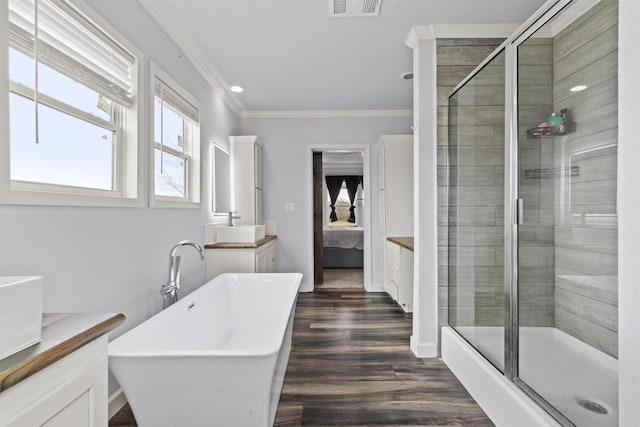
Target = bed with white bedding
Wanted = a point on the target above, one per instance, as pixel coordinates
(343, 246)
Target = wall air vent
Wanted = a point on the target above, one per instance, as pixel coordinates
(345, 8)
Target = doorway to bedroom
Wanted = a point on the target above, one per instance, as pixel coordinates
(339, 219)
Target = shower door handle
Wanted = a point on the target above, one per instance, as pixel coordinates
(519, 211)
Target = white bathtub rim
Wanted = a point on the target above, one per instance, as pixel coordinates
(580, 347)
(270, 350)
(502, 401)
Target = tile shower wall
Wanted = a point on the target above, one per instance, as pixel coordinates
(456, 58)
(586, 234)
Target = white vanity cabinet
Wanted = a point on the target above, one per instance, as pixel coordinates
(266, 258)
(241, 258)
(395, 201)
(59, 382)
(399, 278)
(246, 157)
(405, 280)
(71, 392)
(392, 269)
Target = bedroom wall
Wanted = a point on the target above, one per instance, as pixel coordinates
(116, 259)
(286, 143)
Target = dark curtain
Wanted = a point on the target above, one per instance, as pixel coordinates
(361, 181)
(334, 184)
(352, 187)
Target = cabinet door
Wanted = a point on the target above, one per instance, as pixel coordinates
(381, 170)
(258, 165)
(382, 203)
(263, 260)
(219, 261)
(273, 256)
(258, 204)
(74, 414)
(383, 259)
(405, 280)
(399, 189)
(70, 392)
(393, 259)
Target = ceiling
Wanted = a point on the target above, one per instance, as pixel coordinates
(289, 55)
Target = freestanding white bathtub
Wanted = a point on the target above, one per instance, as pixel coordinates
(215, 358)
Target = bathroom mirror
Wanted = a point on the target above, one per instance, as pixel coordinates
(221, 197)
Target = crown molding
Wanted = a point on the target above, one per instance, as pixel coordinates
(325, 114)
(419, 32)
(458, 31)
(193, 55)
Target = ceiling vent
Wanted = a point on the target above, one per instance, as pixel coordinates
(344, 8)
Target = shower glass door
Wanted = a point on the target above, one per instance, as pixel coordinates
(566, 252)
(475, 210)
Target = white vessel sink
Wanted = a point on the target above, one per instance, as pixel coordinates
(240, 234)
(20, 313)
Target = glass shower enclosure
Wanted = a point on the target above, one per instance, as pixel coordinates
(532, 183)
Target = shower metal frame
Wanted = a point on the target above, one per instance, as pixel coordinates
(513, 212)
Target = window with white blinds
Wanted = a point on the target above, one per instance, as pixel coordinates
(71, 44)
(175, 143)
(171, 97)
(73, 107)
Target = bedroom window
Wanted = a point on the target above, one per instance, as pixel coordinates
(342, 191)
(71, 109)
(175, 170)
(343, 203)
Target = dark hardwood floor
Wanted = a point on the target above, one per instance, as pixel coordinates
(351, 365)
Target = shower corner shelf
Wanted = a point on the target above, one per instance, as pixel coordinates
(560, 129)
(550, 131)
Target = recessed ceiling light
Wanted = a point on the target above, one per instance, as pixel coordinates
(407, 75)
(578, 88)
(237, 89)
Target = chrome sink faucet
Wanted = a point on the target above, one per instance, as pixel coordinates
(169, 290)
(232, 217)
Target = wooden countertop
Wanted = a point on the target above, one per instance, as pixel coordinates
(62, 334)
(405, 242)
(230, 245)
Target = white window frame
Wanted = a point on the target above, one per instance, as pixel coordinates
(128, 164)
(191, 143)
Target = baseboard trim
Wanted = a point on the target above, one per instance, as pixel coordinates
(376, 287)
(423, 349)
(116, 402)
(306, 287)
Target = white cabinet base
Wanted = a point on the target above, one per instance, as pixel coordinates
(395, 197)
(246, 260)
(399, 275)
(246, 156)
(70, 392)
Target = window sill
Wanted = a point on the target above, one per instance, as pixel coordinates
(173, 203)
(46, 198)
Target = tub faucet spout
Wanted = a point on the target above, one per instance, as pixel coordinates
(169, 290)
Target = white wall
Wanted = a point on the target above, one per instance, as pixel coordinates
(285, 173)
(629, 209)
(116, 259)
